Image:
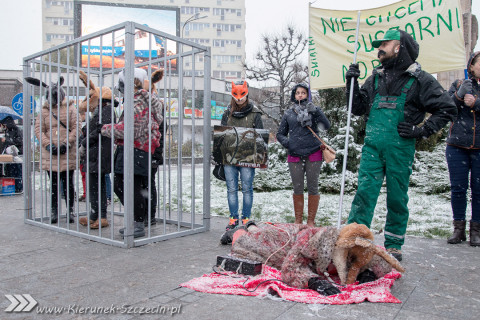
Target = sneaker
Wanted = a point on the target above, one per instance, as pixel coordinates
(245, 221)
(232, 224)
(153, 222)
(396, 253)
(82, 198)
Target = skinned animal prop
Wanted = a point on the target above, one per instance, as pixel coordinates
(303, 254)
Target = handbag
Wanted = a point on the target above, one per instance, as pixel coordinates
(219, 172)
(328, 153)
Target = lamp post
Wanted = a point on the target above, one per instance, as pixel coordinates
(196, 16)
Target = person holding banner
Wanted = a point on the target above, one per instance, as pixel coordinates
(463, 153)
(240, 113)
(394, 100)
(304, 149)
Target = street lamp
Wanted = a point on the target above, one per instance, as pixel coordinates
(196, 16)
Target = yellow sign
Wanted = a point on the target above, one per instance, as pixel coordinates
(437, 26)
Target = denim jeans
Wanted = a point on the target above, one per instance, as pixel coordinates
(108, 185)
(231, 176)
(462, 163)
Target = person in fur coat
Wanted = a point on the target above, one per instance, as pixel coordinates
(56, 129)
(304, 253)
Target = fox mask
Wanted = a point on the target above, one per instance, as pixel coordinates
(239, 91)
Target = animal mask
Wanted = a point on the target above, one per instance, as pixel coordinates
(239, 91)
(55, 89)
(93, 94)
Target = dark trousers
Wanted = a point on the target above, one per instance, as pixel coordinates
(139, 190)
(464, 169)
(93, 193)
(69, 188)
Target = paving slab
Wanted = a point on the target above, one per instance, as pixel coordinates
(64, 271)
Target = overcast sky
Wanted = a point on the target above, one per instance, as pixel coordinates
(21, 27)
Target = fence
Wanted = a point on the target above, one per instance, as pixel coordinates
(175, 197)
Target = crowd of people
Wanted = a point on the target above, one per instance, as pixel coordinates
(394, 100)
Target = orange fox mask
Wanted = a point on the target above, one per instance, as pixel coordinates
(239, 91)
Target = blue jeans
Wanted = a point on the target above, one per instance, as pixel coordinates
(462, 163)
(108, 185)
(231, 176)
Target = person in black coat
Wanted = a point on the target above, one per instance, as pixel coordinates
(463, 153)
(13, 137)
(394, 100)
(304, 149)
(96, 154)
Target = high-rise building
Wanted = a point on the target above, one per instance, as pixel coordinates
(219, 24)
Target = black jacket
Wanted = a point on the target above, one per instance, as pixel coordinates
(299, 140)
(13, 135)
(250, 117)
(465, 129)
(93, 141)
(425, 94)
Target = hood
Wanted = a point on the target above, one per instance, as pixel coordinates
(408, 54)
(302, 85)
(469, 64)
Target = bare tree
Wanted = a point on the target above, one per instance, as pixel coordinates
(277, 63)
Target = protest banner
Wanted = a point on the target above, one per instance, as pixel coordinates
(437, 25)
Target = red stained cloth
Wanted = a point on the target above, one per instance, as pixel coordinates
(231, 283)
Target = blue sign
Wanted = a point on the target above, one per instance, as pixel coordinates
(17, 103)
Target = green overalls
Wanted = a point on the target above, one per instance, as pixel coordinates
(385, 154)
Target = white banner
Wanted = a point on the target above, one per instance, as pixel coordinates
(437, 26)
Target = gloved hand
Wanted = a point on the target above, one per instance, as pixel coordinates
(366, 276)
(353, 72)
(52, 147)
(99, 128)
(63, 148)
(311, 107)
(409, 131)
(82, 151)
(465, 88)
(323, 287)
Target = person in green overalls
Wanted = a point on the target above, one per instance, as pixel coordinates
(394, 100)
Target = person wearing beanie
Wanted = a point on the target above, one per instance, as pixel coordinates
(463, 153)
(304, 149)
(240, 113)
(394, 101)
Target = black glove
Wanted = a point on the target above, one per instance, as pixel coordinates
(465, 88)
(366, 276)
(63, 148)
(409, 131)
(52, 147)
(311, 107)
(353, 72)
(323, 287)
(99, 128)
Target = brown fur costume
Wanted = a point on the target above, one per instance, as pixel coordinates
(303, 252)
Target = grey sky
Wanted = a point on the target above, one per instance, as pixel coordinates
(21, 28)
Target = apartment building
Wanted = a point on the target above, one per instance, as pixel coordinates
(219, 24)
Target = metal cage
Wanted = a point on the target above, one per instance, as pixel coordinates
(179, 189)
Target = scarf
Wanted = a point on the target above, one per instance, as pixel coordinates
(303, 117)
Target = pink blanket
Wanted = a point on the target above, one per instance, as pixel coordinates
(232, 283)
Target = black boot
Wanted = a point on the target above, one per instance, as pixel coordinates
(458, 232)
(71, 215)
(54, 216)
(138, 230)
(474, 234)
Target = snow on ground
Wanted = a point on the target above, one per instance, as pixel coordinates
(430, 215)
